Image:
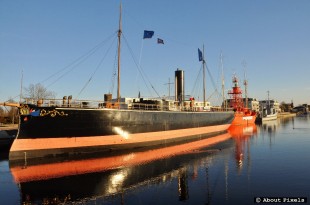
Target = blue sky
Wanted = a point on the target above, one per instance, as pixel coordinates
(40, 38)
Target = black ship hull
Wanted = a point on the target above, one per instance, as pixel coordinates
(51, 131)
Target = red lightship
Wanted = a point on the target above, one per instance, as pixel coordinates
(243, 115)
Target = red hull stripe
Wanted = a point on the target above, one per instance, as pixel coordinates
(120, 139)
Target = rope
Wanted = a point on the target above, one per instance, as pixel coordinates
(144, 76)
(76, 62)
(98, 66)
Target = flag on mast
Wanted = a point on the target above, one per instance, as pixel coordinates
(160, 41)
(148, 34)
(200, 55)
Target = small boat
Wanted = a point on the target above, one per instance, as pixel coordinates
(268, 110)
(300, 110)
(243, 115)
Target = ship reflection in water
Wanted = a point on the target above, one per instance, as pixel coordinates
(241, 135)
(108, 179)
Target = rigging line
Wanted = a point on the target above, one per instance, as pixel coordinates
(79, 60)
(73, 67)
(139, 69)
(81, 57)
(212, 80)
(197, 80)
(140, 56)
(98, 66)
(141, 49)
(214, 92)
(13, 98)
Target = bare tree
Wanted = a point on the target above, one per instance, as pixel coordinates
(9, 114)
(38, 91)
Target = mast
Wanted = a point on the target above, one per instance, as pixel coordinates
(168, 86)
(245, 83)
(268, 98)
(21, 87)
(204, 75)
(246, 91)
(119, 54)
(223, 83)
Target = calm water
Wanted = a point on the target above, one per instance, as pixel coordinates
(269, 160)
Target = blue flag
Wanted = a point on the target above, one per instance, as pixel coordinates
(160, 41)
(148, 34)
(200, 55)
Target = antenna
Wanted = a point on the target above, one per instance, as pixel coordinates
(169, 86)
(119, 54)
(204, 75)
(21, 87)
(245, 83)
(223, 82)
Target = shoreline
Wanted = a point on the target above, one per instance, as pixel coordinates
(286, 114)
(4, 127)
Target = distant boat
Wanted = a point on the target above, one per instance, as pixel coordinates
(268, 111)
(243, 115)
(300, 110)
(51, 128)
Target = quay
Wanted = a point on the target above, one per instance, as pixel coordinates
(7, 136)
(286, 114)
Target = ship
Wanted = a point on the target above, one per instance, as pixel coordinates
(243, 115)
(268, 110)
(52, 128)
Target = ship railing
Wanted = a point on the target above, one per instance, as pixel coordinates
(62, 103)
(200, 109)
(92, 104)
(144, 106)
(220, 109)
(118, 105)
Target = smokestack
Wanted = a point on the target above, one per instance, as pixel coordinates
(179, 85)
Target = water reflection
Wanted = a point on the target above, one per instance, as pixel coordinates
(90, 179)
(241, 135)
(269, 127)
(183, 185)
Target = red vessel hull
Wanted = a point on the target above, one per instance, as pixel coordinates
(243, 115)
(243, 118)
